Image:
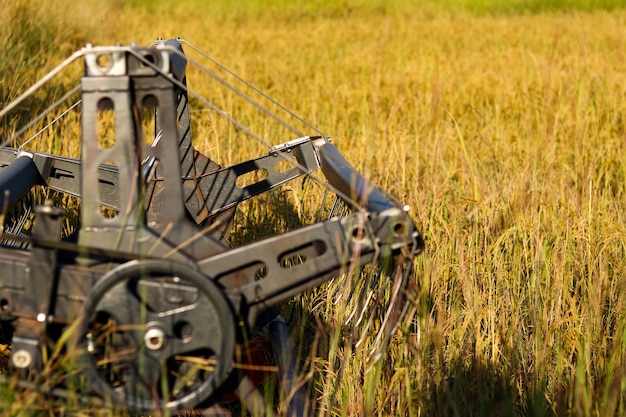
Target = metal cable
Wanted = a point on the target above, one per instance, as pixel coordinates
(237, 123)
(257, 90)
(40, 116)
(50, 124)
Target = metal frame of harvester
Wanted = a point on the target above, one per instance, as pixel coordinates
(145, 293)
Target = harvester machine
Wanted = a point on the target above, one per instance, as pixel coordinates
(150, 298)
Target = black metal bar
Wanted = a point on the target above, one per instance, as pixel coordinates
(178, 63)
(17, 179)
(350, 182)
(37, 300)
(288, 372)
(62, 173)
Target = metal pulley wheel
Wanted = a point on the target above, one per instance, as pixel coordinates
(157, 335)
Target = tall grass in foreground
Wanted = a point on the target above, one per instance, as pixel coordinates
(506, 135)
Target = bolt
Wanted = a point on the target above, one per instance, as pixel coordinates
(154, 338)
(22, 358)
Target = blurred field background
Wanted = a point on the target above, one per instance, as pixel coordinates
(501, 124)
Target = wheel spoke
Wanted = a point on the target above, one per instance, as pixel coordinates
(143, 387)
(195, 330)
(129, 301)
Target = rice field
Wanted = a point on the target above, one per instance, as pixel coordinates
(502, 126)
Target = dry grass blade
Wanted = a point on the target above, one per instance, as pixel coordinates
(501, 125)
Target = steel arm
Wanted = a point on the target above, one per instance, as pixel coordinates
(63, 173)
(277, 268)
(218, 189)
